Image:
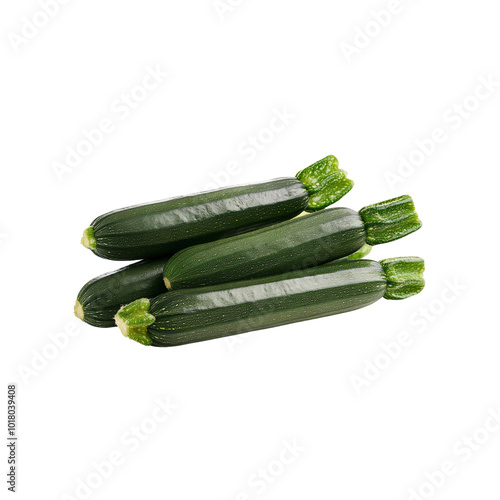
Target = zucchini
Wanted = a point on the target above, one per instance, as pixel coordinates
(196, 314)
(99, 300)
(303, 242)
(157, 229)
(359, 254)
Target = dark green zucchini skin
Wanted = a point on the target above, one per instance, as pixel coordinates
(304, 242)
(157, 229)
(193, 315)
(101, 297)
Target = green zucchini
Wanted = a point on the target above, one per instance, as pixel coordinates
(303, 242)
(99, 300)
(157, 229)
(196, 314)
(359, 254)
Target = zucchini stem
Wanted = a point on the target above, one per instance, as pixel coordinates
(405, 277)
(88, 238)
(134, 319)
(325, 183)
(390, 220)
(79, 310)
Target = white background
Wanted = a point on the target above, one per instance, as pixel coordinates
(237, 404)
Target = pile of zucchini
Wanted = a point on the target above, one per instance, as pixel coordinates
(246, 258)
